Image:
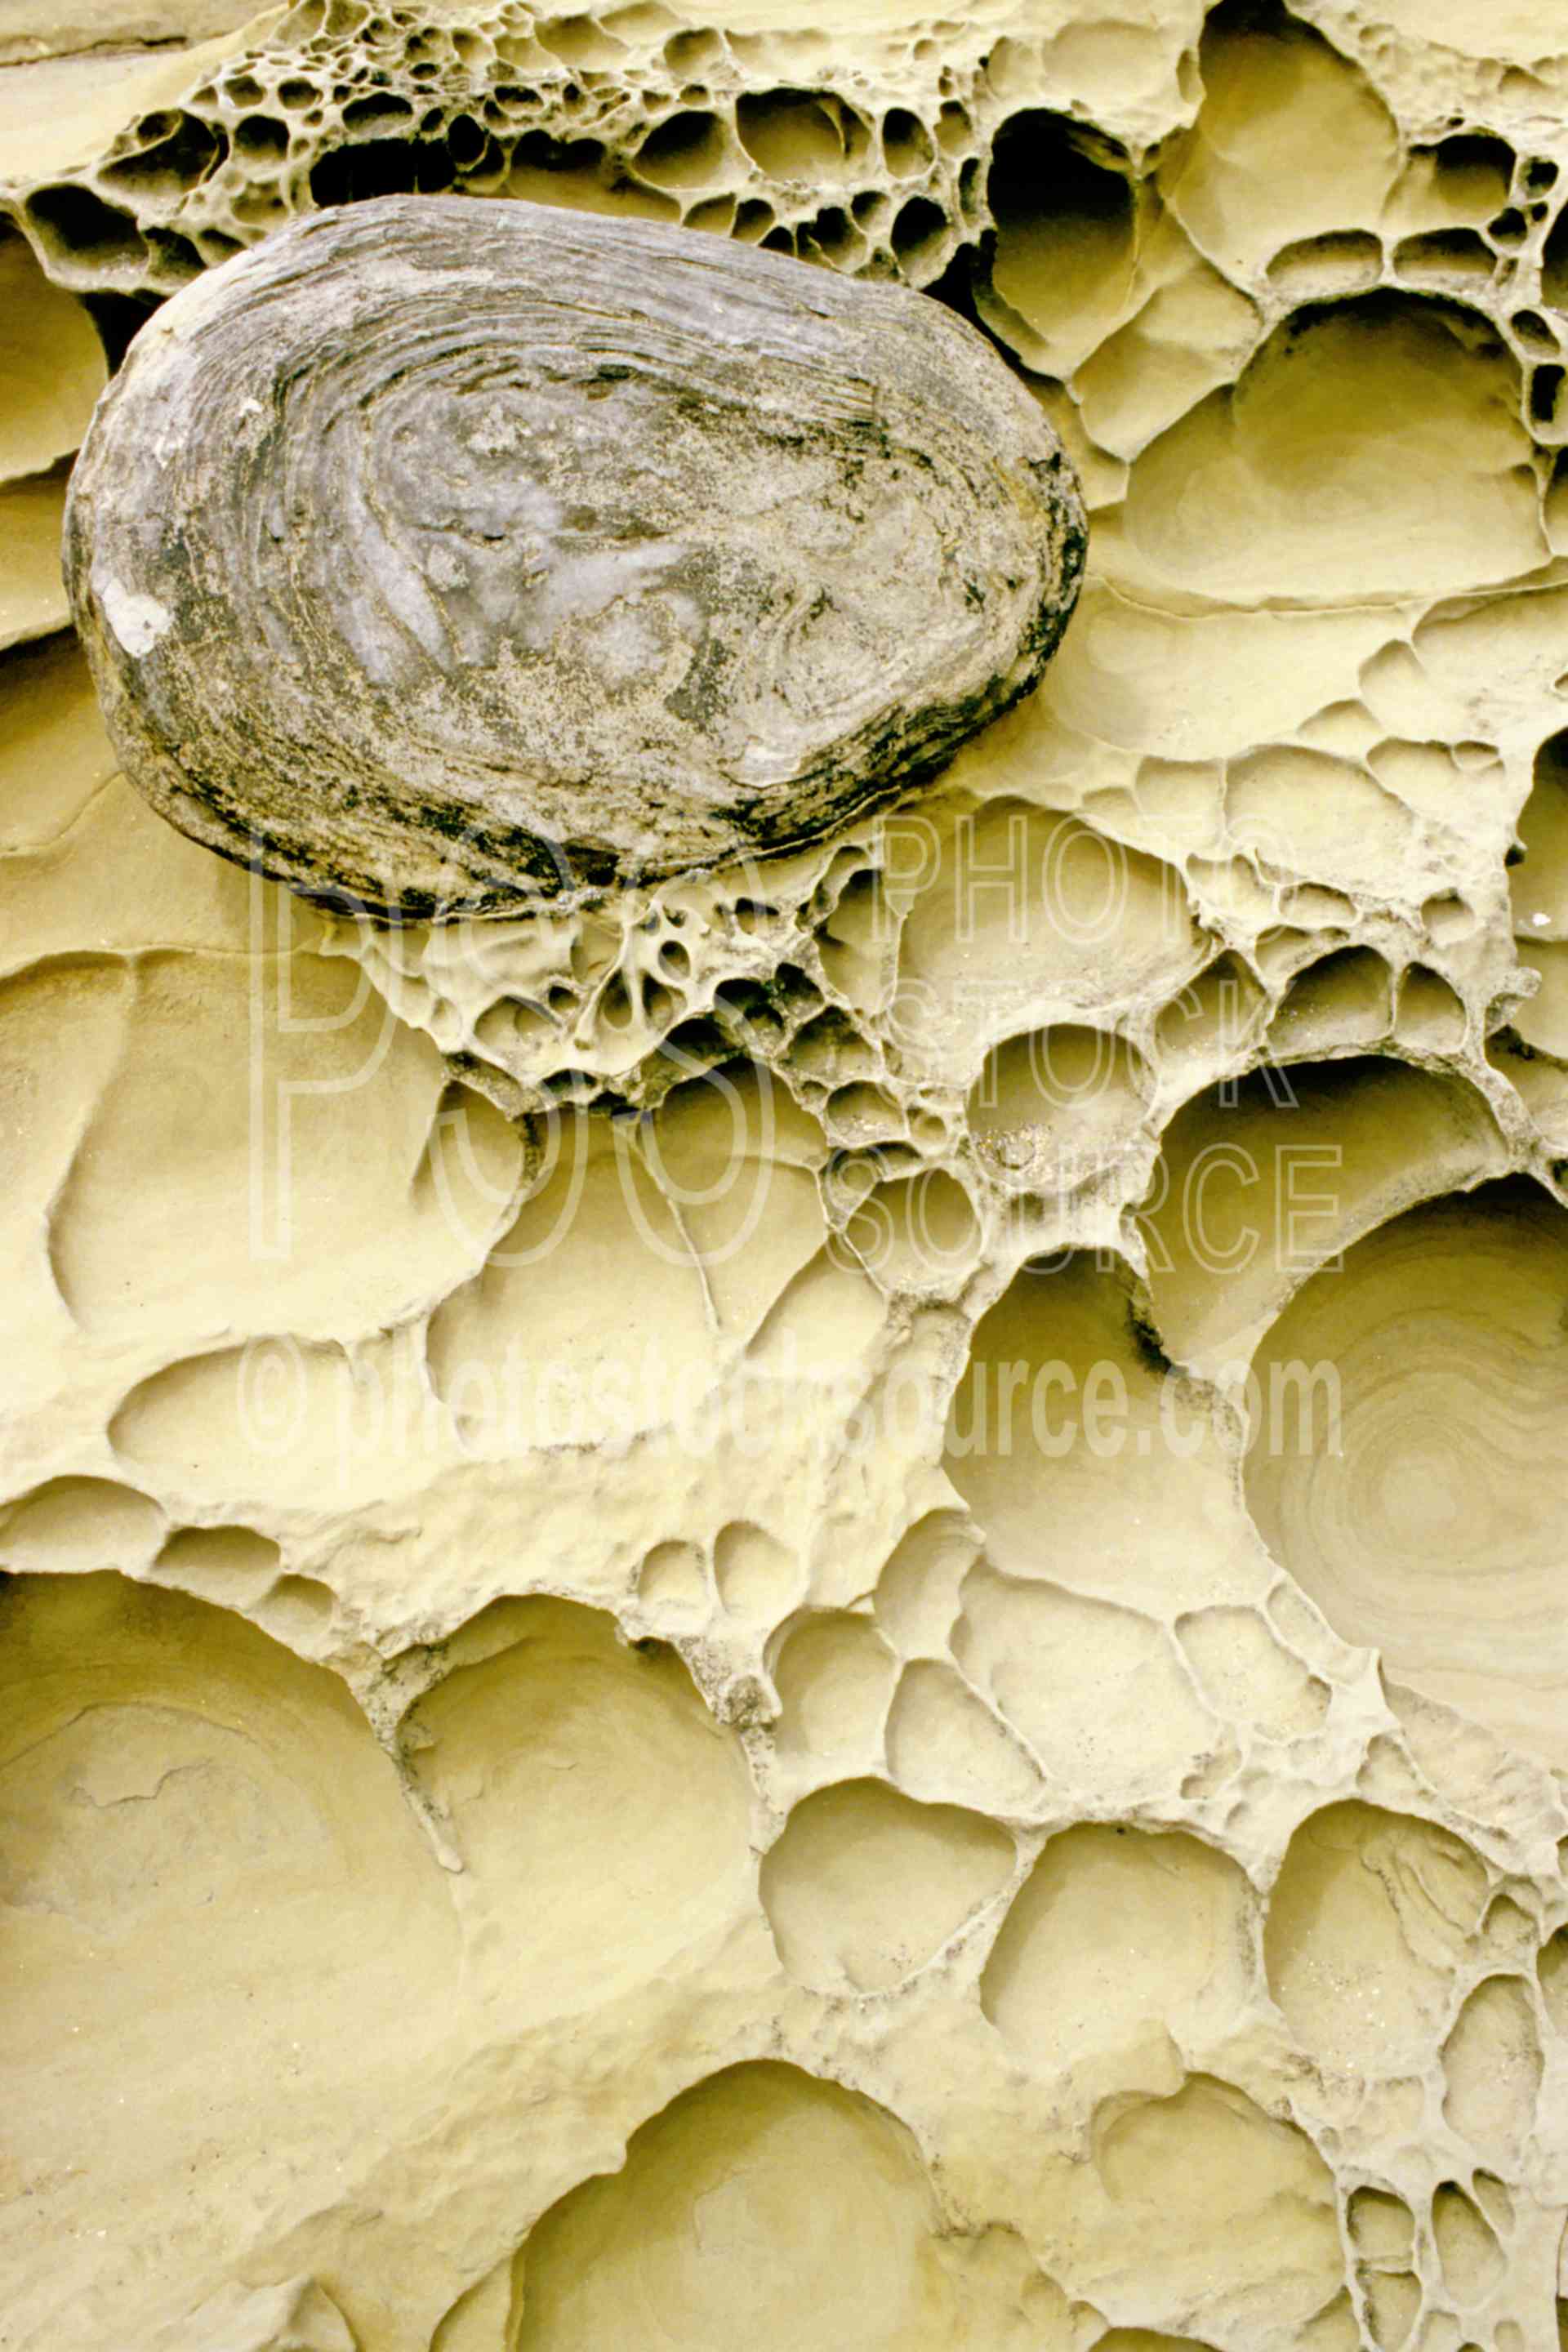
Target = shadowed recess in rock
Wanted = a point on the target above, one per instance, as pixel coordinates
(172, 1780)
(1411, 1491)
(1367, 1924)
(1117, 1939)
(763, 2197)
(866, 1885)
(547, 1740)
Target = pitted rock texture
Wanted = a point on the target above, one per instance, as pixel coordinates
(443, 557)
(817, 1608)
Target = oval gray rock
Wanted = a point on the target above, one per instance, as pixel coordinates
(443, 555)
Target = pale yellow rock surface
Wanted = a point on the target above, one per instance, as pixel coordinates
(821, 1608)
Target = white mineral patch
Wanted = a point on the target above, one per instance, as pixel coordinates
(137, 621)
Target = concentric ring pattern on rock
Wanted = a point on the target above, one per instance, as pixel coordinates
(820, 1606)
(441, 557)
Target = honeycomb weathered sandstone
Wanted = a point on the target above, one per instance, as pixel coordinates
(818, 1605)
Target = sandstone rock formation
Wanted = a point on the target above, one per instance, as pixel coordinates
(817, 1606)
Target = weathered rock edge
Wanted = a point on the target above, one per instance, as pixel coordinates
(443, 556)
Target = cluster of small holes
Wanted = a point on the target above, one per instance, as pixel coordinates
(630, 1007)
(1509, 258)
(922, 165)
(913, 170)
(731, 133)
